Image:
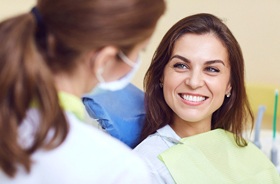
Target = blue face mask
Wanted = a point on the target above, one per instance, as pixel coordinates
(120, 83)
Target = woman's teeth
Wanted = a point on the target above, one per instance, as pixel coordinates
(193, 98)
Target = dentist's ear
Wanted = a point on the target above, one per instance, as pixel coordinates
(100, 61)
(102, 58)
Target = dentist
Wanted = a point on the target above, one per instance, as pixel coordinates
(49, 58)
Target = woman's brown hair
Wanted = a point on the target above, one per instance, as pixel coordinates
(28, 60)
(235, 111)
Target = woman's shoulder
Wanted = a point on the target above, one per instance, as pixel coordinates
(149, 150)
(158, 142)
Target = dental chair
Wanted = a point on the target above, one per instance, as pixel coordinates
(119, 113)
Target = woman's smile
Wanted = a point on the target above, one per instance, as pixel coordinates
(192, 99)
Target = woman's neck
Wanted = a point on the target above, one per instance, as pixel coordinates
(187, 129)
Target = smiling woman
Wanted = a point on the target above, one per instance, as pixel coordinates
(197, 105)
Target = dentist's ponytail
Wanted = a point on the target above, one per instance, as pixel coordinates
(25, 81)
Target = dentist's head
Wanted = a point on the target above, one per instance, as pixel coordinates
(100, 40)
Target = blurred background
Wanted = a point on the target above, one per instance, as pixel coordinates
(255, 24)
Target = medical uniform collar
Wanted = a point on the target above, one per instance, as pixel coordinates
(72, 104)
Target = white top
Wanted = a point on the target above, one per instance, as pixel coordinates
(151, 147)
(87, 156)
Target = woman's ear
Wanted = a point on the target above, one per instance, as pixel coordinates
(228, 90)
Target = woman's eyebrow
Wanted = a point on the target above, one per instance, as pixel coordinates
(207, 62)
(215, 61)
(181, 58)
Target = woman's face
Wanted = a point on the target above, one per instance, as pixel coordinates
(196, 79)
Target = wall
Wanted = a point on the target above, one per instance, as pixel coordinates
(9, 8)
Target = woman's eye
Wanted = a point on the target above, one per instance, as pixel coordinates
(180, 66)
(212, 69)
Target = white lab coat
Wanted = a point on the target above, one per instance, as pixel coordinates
(87, 156)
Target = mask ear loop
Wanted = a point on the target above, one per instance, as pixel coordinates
(126, 59)
(99, 75)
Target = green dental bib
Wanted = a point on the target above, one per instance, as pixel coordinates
(214, 158)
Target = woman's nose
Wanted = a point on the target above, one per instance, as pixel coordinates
(194, 79)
